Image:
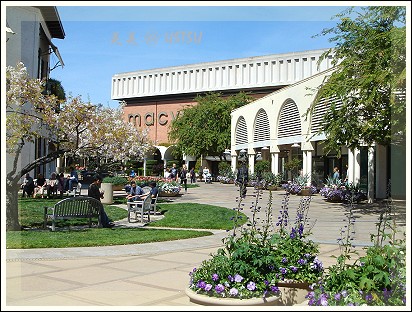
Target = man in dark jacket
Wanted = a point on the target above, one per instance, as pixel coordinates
(243, 179)
(94, 191)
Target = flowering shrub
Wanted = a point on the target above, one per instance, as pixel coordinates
(299, 183)
(169, 187)
(376, 279)
(225, 179)
(335, 190)
(252, 262)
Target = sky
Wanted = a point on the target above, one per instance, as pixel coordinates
(103, 40)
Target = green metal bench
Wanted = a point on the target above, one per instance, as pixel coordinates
(72, 208)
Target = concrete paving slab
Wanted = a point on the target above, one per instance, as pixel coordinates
(155, 275)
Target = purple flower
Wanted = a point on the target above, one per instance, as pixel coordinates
(274, 289)
(201, 284)
(283, 271)
(323, 300)
(368, 297)
(302, 261)
(344, 293)
(337, 297)
(307, 255)
(219, 288)
(233, 292)
(293, 268)
(284, 260)
(208, 287)
(251, 285)
(310, 295)
(238, 278)
(230, 278)
(215, 277)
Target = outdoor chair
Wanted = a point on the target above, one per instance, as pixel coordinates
(139, 208)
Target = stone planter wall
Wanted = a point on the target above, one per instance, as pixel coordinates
(293, 293)
(214, 301)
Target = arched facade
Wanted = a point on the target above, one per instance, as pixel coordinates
(278, 121)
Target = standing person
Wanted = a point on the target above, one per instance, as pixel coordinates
(173, 172)
(335, 173)
(74, 178)
(28, 186)
(167, 173)
(134, 193)
(94, 191)
(242, 179)
(183, 177)
(192, 176)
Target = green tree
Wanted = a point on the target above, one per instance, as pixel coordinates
(204, 129)
(369, 78)
(55, 87)
(77, 129)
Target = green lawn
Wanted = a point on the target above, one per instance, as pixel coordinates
(75, 233)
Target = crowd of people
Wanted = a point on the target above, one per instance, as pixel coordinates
(55, 185)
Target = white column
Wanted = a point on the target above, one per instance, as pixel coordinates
(356, 166)
(304, 167)
(251, 163)
(309, 166)
(371, 175)
(233, 162)
(275, 163)
(350, 165)
(144, 166)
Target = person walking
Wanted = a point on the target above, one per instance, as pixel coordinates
(242, 179)
(192, 176)
(183, 177)
(94, 191)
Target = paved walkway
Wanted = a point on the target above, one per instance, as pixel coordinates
(156, 274)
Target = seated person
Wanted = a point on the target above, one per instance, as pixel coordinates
(28, 186)
(52, 185)
(153, 192)
(41, 186)
(74, 178)
(134, 193)
(94, 191)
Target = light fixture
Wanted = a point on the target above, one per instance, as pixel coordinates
(296, 144)
(259, 156)
(265, 148)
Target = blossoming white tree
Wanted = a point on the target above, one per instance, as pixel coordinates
(73, 127)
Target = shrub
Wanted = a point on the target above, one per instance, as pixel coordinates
(115, 180)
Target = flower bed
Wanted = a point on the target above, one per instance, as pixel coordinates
(254, 261)
(376, 279)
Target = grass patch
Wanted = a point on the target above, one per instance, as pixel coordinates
(199, 216)
(88, 237)
(75, 233)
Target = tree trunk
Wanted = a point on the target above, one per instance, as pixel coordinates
(12, 211)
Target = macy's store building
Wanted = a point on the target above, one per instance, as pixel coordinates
(272, 127)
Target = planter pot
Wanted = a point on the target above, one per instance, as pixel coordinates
(118, 187)
(293, 293)
(305, 192)
(211, 301)
(167, 194)
(107, 188)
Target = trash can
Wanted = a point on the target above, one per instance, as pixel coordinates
(107, 188)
